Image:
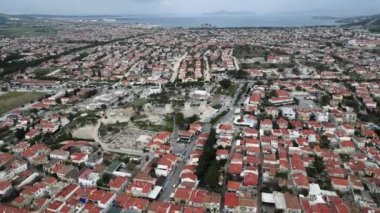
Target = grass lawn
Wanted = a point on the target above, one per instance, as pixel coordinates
(42, 71)
(230, 91)
(11, 100)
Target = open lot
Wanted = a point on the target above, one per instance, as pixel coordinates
(11, 100)
(129, 138)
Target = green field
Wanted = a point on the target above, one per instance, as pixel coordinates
(14, 30)
(250, 51)
(42, 71)
(11, 100)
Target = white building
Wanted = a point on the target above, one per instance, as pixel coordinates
(88, 178)
(322, 116)
(19, 166)
(6, 175)
(155, 90)
(245, 120)
(288, 113)
(59, 154)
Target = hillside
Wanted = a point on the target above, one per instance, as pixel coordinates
(3, 19)
(371, 22)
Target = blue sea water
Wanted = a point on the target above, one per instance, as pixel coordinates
(283, 20)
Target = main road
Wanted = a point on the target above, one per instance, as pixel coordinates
(176, 68)
(173, 178)
(206, 72)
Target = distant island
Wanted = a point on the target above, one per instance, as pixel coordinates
(229, 13)
(327, 17)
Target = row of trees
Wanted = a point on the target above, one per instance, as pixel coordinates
(208, 167)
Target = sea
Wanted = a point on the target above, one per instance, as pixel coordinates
(231, 21)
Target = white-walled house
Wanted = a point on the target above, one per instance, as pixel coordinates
(5, 187)
(88, 178)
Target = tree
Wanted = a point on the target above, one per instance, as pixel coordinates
(225, 83)
(240, 74)
(344, 157)
(208, 155)
(162, 98)
(193, 118)
(325, 100)
(212, 175)
(104, 180)
(71, 116)
(20, 134)
(318, 164)
(324, 143)
(4, 129)
(180, 120)
(131, 166)
(33, 111)
(58, 100)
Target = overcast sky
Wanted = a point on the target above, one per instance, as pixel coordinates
(189, 7)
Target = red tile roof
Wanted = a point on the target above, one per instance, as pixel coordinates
(233, 185)
(250, 179)
(235, 169)
(221, 152)
(4, 185)
(225, 127)
(117, 182)
(192, 209)
(231, 200)
(340, 182)
(127, 202)
(197, 196)
(161, 137)
(31, 151)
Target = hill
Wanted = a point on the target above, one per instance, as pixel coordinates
(3, 19)
(371, 22)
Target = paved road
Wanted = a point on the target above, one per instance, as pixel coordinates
(372, 21)
(236, 63)
(173, 178)
(176, 68)
(228, 118)
(206, 73)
